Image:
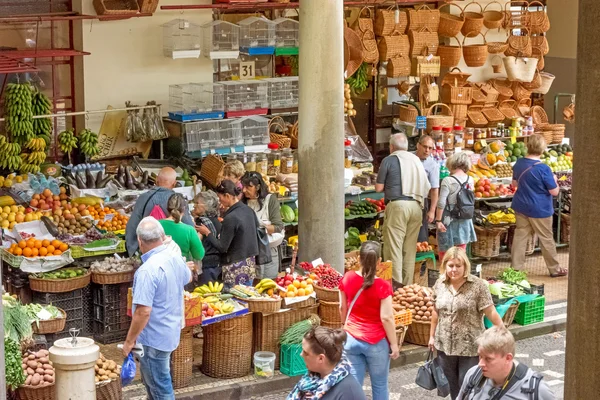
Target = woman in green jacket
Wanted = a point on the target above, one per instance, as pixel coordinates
(184, 235)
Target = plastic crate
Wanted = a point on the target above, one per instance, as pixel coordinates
(403, 318)
(88, 327)
(292, 363)
(80, 252)
(110, 337)
(110, 295)
(68, 301)
(530, 312)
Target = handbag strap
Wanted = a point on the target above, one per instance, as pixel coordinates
(147, 201)
(353, 302)
(524, 172)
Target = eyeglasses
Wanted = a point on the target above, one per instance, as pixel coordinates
(427, 147)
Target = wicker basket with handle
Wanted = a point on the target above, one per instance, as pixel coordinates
(546, 83)
(370, 50)
(425, 64)
(519, 92)
(364, 22)
(537, 53)
(324, 294)
(50, 326)
(519, 45)
(59, 285)
(475, 117)
(493, 19)
(148, 6)
(398, 66)
(460, 113)
(284, 142)
(439, 120)
(496, 47)
(46, 392)
(293, 134)
(394, 45)
(535, 83)
(385, 21)
(455, 89)
(496, 67)
(424, 17)
(488, 242)
(475, 54)
(421, 39)
(509, 316)
(266, 305)
(524, 107)
(409, 112)
(516, 15)
(116, 7)
(540, 42)
(450, 24)
(473, 21)
(182, 359)
(211, 168)
(538, 20)
(418, 333)
(450, 55)
(109, 390)
(520, 69)
(112, 278)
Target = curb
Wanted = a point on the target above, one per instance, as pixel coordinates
(282, 382)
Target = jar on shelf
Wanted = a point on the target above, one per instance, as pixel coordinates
(250, 165)
(287, 161)
(438, 137)
(295, 165)
(348, 154)
(231, 157)
(469, 138)
(448, 139)
(262, 164)
(458, 137)
(274, 157)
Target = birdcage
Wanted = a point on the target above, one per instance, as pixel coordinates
(254, 130)
(181, 39)
(283, 92)
(196, 101)
(206, 136)
(221, 40)
(257, 36)
(287, 36)
(243, 98)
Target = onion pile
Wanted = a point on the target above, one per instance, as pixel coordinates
(415, 298)
(348, 105)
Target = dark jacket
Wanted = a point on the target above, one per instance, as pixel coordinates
(212, 255)
(238, 239)
(347, 389)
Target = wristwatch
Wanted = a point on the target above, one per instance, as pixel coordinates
(437, 220)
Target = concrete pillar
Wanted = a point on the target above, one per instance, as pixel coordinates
(321, 135)
(582, 380)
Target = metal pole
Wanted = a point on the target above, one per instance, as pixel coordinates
(108, 110)
(2, 364)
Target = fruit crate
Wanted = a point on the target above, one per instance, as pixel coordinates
(196, 101)
(103, 295)
(80, 252)
(110, 337)
(530, 312)
(109, 310)
(403, 318)
(68, 301)
(292, 363)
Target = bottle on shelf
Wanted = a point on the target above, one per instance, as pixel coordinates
(274, 159)
(458, 138)
(348, 155)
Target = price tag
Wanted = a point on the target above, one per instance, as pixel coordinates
(212, 151)
(478, 268)
(513, 139)
(421, 122)
(317, 262)
(566, 140)
(483, 143)
(247, 69)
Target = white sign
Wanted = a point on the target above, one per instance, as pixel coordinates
(247, 70)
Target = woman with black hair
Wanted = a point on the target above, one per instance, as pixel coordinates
(267, 209)
(238, 243)
(368, 317)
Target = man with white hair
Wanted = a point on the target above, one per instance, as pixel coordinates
(157, 308)
(404, 182)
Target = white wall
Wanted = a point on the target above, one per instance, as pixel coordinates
(127, 62)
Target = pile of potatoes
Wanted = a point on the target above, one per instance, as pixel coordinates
(106, 369)
(38, 368)
(415, 298)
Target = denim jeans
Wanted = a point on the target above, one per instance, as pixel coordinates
(156, 376)
(374, 358)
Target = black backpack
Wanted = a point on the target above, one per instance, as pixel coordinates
(465, 201)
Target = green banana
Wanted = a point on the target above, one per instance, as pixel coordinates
(88, 143)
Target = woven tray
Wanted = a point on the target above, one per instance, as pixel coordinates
(109, 390)
(227, 348)
(539, 115)
(112, 278)
(331, 295)
(330, 312)
(37, 392)
(263, 305)
(418, 333)
(59, 285)
(116, 7)
(51, 325)
(182, 359)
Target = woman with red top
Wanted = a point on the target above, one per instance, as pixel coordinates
(368, 318)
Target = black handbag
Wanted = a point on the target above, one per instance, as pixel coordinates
(264, 251)
(441, 382)
(425, 375)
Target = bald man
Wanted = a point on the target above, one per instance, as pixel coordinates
(158, 196)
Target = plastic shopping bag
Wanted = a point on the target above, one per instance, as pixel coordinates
(128, 370)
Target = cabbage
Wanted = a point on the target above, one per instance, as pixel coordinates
(496, 289)
(525, 284)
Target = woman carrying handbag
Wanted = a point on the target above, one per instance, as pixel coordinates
(369, 321)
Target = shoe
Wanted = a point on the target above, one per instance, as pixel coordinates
(561, 272)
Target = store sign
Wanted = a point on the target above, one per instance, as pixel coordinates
(421, 122)
(247, 70)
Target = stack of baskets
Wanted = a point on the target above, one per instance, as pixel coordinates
(457, 94)
(329, 306)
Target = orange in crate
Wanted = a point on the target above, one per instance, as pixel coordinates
(403, 318)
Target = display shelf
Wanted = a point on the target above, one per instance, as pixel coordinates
(10, 65)
(255, 6)
(494, 198)
(44, 53)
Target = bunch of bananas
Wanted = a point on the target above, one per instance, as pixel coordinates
(11, 158)
(88, 142)
(37, 144)
(501, 217)
(36, 157)
(67, 141)
(360, 80)
(41, 105)
(221, 307)
(209, 287)
(19, 114)
(27, 168)
(265, 285)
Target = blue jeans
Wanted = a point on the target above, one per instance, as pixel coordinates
(374, 358)
(156, 374)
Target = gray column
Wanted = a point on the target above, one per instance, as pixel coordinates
(321, 132)
(582, 380)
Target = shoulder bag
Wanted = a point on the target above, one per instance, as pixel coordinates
(264, 251)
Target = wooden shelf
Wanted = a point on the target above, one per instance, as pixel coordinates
(245, 6)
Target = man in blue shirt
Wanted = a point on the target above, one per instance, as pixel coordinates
(157, 308)
(424, 148)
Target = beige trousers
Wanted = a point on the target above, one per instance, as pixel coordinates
(403, 220)
(542, 227)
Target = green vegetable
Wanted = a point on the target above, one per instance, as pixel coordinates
(510, 275)
(12, 358)
(17, 324)
(295, 333)
(352, 239)
(360, 80)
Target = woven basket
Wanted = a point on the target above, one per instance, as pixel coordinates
(353, 52)
(535, 83)
(425, 64)
(364, 24)
(493, 115)
(385, 21)
(509, 316)
(310, 301)
(37, 392)
(418, 333)
(558, 134)
(112, 278)
(293, 134)
(450, 55)
(408, 112)
(114, 7)
(516, 17)
(488, 242)
(456, 94)
(450, 24)
(520, 69)
(393, 45)
(439, 120)
(51, 325)
(547, 80)
(324, 294)
(182, 359)
(504, 92)
(519, 46)
(330, 311)
(401, 335)
(423, 39)
(424, 17)
(478, 97)
(460, 113)
(519, 92)
(539, 115)
(263, 305)
(473, 21)
(497, 47)
(398, 66)
(475, 54)
(211, 168)
(59, 285)
(509, 109)
(370, 51)
(541, 43)
(109, 390)
(537, 53)
(524, 107)
(282, 141)
(331, 325)
(490, 92)
(493, 19)
(538, 20)
(565, 228)
(149, 6)
(227, 348)
(475, 117)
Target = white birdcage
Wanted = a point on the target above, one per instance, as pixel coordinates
(283, 92)
(257, 36)
(196, 101)
(181, 39)
(221, 40)
(287, 36)
(246, 95)
(206, 135)
(254, 130)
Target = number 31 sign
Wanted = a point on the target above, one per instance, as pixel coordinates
(247, 70)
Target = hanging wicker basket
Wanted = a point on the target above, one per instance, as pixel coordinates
(473, 21)
(519, 92)
(424, 17)
(524, 107)
(450, 24)
(519, 45)
(488, 242)
(540, 42)
(520, 69)
(394, 45)
(496, 47)
(535, 83)
(422, 39)
(409, 112)
(493, 19)
(496, 68)
(439, 120)
(398, 66)
(475, 54)
(385, 21)
(538, 20)
(455, 89)
(450, 55)
(539, 115)
(547, 80)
